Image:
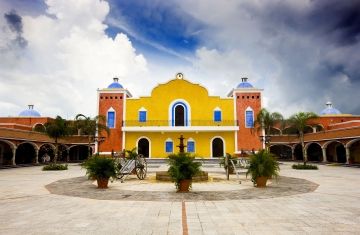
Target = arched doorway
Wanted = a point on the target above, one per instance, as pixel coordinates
(62, 153)
(78, 153)
(335, 152)
(355, 151)
(281, 151)
(25, 154)
(217, 147)
(314, 153)
(298, 152)
(5, 153)
(143, 147)
(179, 115)
(46, 149)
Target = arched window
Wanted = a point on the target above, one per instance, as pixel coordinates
(217, 114)
(249, 118)
(142, 115)
(190, 145)
(169, 146)
(179, 113)
(111, 118)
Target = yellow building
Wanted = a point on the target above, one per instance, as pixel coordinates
(154, 123)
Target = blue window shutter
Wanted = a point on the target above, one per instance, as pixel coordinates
(249, 119)
(111, 119)
(217, 116)
(169, 146)
(190, 146)
(142, 116)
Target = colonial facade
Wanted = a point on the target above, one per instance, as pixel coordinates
(211, 125)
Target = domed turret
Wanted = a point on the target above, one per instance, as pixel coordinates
(115, 84)
(329, 110)
(31, 112)
(244, 84)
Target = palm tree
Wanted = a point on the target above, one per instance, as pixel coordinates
(90, 126)
(299, 121)
(56, 129)
(265, 120)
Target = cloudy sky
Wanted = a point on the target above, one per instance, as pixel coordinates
(55, 53)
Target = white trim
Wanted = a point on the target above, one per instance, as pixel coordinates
(249, 109)
(38, 123)
(52, 146)
(348, 144)
(137, 144)
(235, 120)
(244, 90)
(111, 109)
(188, 118)
(115, 91)
(169, 140)
(224, 146)
(29, 142)
(326, 144)
(342, 123)
(124, 121)
(191, 140)
(180, 128)
(11, 144)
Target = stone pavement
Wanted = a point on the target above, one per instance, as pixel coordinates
(330, 205)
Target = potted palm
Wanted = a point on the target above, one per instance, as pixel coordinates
(182, 169)
(100, 169)
(262, 167)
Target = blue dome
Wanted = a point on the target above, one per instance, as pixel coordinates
(30, 112)
(244, 84)
(115, 84)
(329, 110)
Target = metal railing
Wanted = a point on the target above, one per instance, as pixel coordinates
(189, 123)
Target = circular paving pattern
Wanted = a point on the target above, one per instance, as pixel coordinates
(84, 188)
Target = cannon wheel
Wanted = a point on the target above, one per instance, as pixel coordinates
(141, 167)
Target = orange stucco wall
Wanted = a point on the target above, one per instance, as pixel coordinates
(115, 101)
(22, 123)
(247, 139)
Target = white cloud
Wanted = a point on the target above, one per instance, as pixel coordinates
(67, 58)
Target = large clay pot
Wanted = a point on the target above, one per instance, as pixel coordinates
(102, 182)
(184, 186)
(261, 181)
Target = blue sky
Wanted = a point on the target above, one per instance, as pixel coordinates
(303, 53)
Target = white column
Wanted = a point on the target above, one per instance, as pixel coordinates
(347, 149)
(13, 156)
(293, 153)
(324, 154)
(36, 156)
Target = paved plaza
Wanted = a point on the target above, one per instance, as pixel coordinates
(65, 202)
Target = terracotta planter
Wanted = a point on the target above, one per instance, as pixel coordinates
(184, 185)
(261, 181)
(102, 183)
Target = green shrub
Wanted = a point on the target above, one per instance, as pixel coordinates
(182, 166)
(263, 163)
(98, 167)
(55, 167)
(304, 167)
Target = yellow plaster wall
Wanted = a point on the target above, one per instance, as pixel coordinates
(157, 105)
(202, 142)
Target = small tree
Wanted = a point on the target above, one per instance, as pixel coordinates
(265, 120)
(89, 126)
(56, 129)
(299, 121)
